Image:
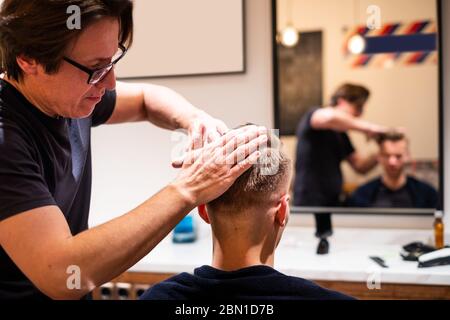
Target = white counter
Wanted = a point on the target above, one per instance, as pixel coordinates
(348, 259)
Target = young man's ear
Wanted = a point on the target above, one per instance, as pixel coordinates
(28, 65)
(282, 215)
(203, 213)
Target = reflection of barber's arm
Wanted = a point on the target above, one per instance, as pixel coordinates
(333, 119)
(362, 164)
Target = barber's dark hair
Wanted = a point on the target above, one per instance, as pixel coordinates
(352, 93)
(38, 29)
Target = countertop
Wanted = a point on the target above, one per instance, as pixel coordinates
(348, 259)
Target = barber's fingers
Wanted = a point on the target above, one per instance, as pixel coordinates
(215, 129)
(197, 136)
(196, 142)
(245, 150)
(225, 146)
(241, 139)
(248, 132)
(212, 136)
(222, 128)
(244, 165)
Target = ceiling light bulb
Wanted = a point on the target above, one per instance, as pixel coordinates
(357, 44)
(289, 36)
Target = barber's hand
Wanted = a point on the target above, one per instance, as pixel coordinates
(208, 172)
(203, 129)
(374, 131)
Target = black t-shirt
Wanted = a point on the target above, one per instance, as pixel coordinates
(318, 177)
(387, 198)
(414, 194)
(254, 283)
(43, 161)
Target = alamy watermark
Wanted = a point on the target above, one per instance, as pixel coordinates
(373, 21)
(74, 280)
(374, 279)
(74, 20)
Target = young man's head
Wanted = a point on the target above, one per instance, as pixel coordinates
(350, 98)
(394, 154)
(253, 213)
(51, 48)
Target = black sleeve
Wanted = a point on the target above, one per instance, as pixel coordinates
(308, 117)
(347, 146)
(104, 109)
(22, 186)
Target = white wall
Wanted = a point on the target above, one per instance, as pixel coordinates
(132, 162)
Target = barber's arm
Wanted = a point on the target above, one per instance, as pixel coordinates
(362, 164)
(165, 108)
(333, 119)
(41, 244)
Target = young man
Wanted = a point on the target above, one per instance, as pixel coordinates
(323, 144)
(394, 189)
(247, 223)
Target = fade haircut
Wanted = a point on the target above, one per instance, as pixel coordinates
(256, 186)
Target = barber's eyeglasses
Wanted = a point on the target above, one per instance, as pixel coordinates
(97, 75)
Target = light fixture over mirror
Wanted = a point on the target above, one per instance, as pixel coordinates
(357, 43)
(289, 36)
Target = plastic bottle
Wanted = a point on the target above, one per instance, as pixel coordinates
(438, 230)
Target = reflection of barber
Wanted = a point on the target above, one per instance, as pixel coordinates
(394, 188)
(322, 145)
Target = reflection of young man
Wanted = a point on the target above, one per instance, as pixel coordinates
(247, 223)
(394, 188)
(323, 144)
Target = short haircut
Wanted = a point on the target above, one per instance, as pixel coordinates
(352, 93)
(255, 186)
(38, 29)
(392, 135)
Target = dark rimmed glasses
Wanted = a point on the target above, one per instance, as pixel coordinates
(97, 75)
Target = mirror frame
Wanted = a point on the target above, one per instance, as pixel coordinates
(372, 211)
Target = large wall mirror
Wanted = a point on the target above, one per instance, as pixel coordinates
(390, 48)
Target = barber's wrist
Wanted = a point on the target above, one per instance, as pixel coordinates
(182, 193)
(187, 120)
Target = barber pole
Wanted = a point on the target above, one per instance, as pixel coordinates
(403, 44)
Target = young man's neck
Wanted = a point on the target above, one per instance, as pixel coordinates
(394, 183)
(237, 253)
(244, 243)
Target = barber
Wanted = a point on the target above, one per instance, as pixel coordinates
(55, 85)
(323, 144)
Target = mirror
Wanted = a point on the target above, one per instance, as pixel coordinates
(343, 48)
